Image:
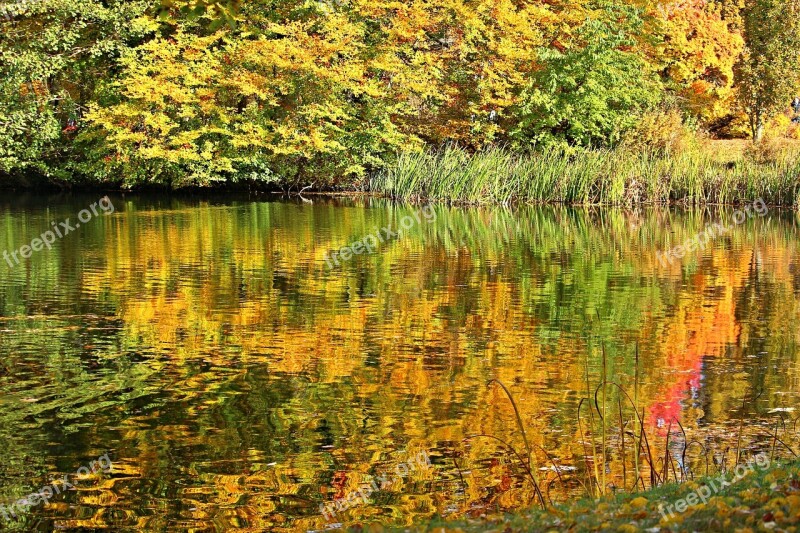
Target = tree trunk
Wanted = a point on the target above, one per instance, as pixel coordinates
(757, 126)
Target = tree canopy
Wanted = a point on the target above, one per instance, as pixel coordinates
(322, 91)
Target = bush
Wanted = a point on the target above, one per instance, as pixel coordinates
(662, 132)
(769, 150)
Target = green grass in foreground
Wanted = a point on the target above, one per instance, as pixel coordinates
(763, 500)
(621, 176)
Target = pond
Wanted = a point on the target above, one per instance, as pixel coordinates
(240, 361)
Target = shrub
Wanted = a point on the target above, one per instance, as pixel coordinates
(768, 150)
(663, 132)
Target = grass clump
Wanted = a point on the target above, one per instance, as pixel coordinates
(623, 176)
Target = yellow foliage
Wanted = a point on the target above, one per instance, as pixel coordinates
(663, 131)
(698, 52)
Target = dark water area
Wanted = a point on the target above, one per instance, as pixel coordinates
(237, 374)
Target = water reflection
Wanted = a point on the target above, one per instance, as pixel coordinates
(236, 381)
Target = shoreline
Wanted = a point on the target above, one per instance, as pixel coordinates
(704, 175)
(255, 194)
(759, 501)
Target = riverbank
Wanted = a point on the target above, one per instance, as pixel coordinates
(717, 172)
(762, 500)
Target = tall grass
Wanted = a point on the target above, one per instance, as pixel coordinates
(620, 176)
(615, 440)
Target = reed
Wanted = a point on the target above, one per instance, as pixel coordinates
(605, 432)
(582, 176)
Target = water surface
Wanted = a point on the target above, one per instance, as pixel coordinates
(237, 381)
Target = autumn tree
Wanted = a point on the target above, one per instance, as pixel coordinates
(297, 93)
(481, 53)
(767, 72)
(591, 90)
(54, 58)
(317, 92)
(328, 92)
(697, 47)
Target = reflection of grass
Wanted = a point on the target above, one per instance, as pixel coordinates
(591, 176)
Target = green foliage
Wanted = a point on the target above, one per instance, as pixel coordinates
(767, 72)
(591, 93)
(54, 54)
